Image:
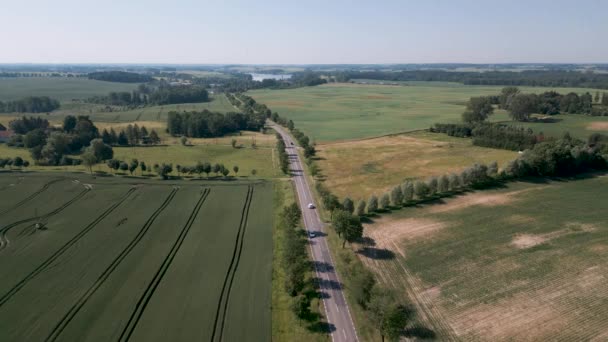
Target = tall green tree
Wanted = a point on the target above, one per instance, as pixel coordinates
(478, 109)
(348, 205)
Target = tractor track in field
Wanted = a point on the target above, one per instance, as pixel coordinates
(7, 296)
(32, 196)
(222, 305)
(69, 316)
(4, 240)
(162, 270)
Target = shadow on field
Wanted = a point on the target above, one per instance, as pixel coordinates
(322, 327)
(420, 332)
(322, 267)
(376, 253)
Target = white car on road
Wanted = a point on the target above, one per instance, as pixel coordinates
(311, 206)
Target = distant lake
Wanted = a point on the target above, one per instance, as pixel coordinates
(259, 77)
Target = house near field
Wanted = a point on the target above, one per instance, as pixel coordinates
(5, 135)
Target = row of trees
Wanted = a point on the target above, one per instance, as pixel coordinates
(130, 136)
(283, 156)
(165, 169)
(161, 95)
(476, 176)
(208, 124)
(30, 104)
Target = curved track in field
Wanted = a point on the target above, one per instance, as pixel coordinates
(7, 296)
(4, 240)
(69, 316)
(32, 196)
(158, 277)
(222, 305)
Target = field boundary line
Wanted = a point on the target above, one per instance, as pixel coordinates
(234, 263)
(69, 316)
(4, 240)
(62, 249)
(162, 270)
(32, 196)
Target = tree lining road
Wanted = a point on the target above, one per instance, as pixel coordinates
(337, 312)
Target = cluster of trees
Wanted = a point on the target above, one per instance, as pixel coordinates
(545, 78)
(563, 157)
(493, 135)
(13, 162)
(30, 104)
(521, 106)
(132, 135)
(119, 76)
(49, 145)
(161, 95)
(207, 124)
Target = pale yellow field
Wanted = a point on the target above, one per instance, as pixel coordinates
(360, 168)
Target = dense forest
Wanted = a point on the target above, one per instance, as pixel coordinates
(545, 78)
(208, 124)
(120, 76)
(30, 104)
(161, 95)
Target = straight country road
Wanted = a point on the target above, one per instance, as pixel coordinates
(337, 312)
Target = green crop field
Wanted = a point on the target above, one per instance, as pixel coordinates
(525, 262)
(124, 259)
(351, 111)
(63, 89)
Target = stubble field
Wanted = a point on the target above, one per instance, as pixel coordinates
(122, 259)
(527, 262)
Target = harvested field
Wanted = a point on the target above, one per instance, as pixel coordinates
(360, 168)
(123, 259)
(529, 262)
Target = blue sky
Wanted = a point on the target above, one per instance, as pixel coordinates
(302, 32)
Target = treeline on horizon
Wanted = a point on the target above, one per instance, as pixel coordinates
(120, 76)
(153, 95)
(545, 78)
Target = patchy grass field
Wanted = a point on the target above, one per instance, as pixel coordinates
(63, 89)
(350, 111)
(361, 168)
(526, 262)
(580, 126)
(218, 103)
(119, 259)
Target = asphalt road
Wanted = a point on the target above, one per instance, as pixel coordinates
(336, 308)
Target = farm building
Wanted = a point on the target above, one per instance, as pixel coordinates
(5, 135)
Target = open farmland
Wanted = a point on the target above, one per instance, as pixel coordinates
(124, 259)
(525, 262)
(99, 113)
(361, 168)
(61, 88)
(352, 111)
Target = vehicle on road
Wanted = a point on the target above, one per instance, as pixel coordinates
(312, 234)
(292, 142)
(311, 206)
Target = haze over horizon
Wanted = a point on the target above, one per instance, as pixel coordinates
(275, 32)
